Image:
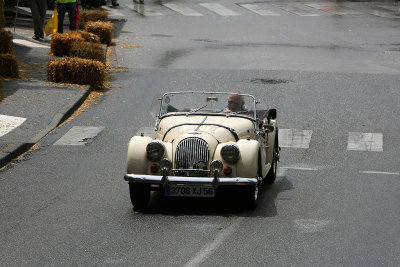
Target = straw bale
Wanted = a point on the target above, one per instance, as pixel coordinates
(76, 70)
(6, 44)
(91, 15)
(90, 37)
(61, 42)
(102, 29)
(9, 66)
(87, 50)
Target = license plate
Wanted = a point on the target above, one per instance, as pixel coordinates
(189, 191)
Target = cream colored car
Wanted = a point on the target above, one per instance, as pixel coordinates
(203, 143)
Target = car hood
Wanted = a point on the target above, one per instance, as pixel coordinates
(221, 128)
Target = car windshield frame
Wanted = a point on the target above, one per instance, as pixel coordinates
(197, 110)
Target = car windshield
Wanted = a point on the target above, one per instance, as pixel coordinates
(232, 104)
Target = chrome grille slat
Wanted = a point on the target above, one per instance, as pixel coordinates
(191, 151)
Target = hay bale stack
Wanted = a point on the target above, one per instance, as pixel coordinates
(76, 70)
(87, 50)
(91, 15)
(6, 43)
(9, 66)
(103, 29)
(61, 42)
(90, 37)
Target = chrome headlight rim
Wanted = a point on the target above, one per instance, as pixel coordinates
(216, 166)
(155, 150)
(165, 165)
(230, 153)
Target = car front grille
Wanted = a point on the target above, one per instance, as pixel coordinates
(192, 153)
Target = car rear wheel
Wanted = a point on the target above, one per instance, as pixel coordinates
(140, 195)
(271, 175)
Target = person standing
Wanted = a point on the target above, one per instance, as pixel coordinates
(38, 9)
(64, 6)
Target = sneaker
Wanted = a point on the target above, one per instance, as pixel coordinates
(36, 37)
(114, 2)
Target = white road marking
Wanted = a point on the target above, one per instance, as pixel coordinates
(182, 9)
(209, 248)
(370, 10)
(299, 168)
(113, 12)
(334, 9)
(295, 138)
(145, 10)
(219, 9)
(311, 225)
(365, 141)
(28, 44)
(374, 172)
(395, 8)
(9, 123)
(260, 10)
(298, 11)
(79, 136)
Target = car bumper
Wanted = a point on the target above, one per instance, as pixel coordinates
(170, 180)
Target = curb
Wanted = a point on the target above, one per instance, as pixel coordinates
(18, 149)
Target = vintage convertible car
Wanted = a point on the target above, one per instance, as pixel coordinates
(204, 143)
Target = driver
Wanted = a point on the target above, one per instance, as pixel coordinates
(235, 103)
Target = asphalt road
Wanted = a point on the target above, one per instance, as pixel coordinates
(330, 206)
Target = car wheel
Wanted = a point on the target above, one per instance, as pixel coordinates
(140, 195)
(251, 195)
(271, 175)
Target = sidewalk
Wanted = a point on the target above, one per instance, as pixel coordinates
(31, 107)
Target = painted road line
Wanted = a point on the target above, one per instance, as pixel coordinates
(395, 8)
(144, 10)
(182, 9)
(209, 248)
(372, 11)
(295, 10)
(300, 168)
(374, 172)
(113, 12)
(220, 9)
(79, 136)
(295, 138)
(311, 225)
(334, 9)
(28, 44)
(365, 141)
(258, 9)
(9, 123)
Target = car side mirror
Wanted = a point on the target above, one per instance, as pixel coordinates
(271, 114)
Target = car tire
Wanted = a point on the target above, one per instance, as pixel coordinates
(251, 195)
(140, 196)
(271, 175)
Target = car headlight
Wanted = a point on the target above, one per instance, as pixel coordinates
(230, 153)
(155, 150)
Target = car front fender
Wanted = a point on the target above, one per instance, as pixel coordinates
(248, 161)
(136, 161)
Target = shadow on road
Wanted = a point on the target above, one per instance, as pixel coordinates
(227, 205)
